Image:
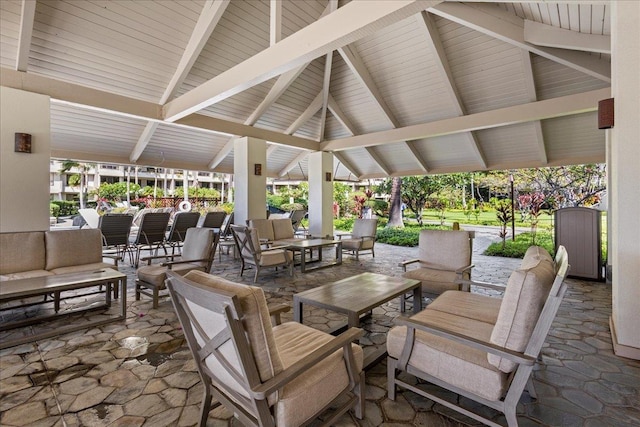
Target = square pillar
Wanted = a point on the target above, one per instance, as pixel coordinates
(250, 179)
(321, 193)
(624, 197)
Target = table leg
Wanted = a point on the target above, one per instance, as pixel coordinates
(353, 320)
(417, 299)
(123, 291)
(56, 301)
(107, 297)
(339, 253)
(297, 310)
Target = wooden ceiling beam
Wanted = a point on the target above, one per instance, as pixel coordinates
(293, 163)
(533, 96)
(509, 28)
(346, 25)
(539, 110)
(347, 164)
(143, 141)
(27, 17)
(221, 154)
(550, 36)
(311, 110)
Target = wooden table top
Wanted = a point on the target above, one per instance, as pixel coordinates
(357, 294)
(312, 243)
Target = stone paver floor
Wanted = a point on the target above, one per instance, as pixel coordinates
(141, 372)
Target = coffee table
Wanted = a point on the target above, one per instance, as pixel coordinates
(56, 285)
(304, 245)
(357, 295)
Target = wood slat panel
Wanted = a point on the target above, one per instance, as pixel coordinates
(516, 144)
(10, 12)
(574, 139)
(555, 80)
(444, 152)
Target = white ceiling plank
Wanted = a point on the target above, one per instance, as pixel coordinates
(211, 13)
(275, 22)
(531, 90)
(442, 64)
(341, 158)
(312, 109)
(341, 116)
(280, 86)
(144, 139)
(360, 71)
(300, 157)
(547, 35)
(222, 154)
(509, 28)
(26, 30)
(416, 154)
(378, 160)
(347, 24)
(271, 148)
(539, 110)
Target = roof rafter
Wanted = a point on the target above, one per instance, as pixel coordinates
(209, 17)
(341, 158)
(531, 91)
(222, 154)
(509, 28)
(539, 110)
(311, 110)
(550, 36)
(293, 163)
(275, 22)
(144, 139)
(347, 24)
(26, 31)
(442, 63)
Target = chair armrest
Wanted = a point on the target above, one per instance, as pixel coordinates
(463, 269)
(517, 357)
(276, 310)
(183, 261)
(292, 372)
(404, 264)
(151, 258)
(481, 284)
(340, 236)
(115, 258)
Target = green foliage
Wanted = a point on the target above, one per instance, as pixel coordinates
(74, 180)
(345, 224)
(117, 191)
(205, 193)
(148, 191)
(403, 236)
(227, 207)
(275, 200)
(54, 210)
(519, 247)
(288, 207)
(67, 208)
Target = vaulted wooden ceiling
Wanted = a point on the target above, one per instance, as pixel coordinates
(392, 88)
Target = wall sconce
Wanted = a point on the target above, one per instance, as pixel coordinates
(22, 143)
(327, 176)
(257, 169)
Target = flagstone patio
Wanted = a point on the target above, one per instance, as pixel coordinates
(141, 372)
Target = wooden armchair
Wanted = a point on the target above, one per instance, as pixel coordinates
(444, 260)
(283, 375)
(251, 251)
(197, 254)
(480, 347)
(362, 238)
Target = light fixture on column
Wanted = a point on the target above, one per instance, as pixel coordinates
(257, 169)
(22, 143)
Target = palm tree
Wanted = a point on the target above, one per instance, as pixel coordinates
(395, 208)
(84, 168)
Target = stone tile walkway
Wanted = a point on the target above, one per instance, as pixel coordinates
(141, 372)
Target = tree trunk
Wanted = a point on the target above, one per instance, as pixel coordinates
(395, 209)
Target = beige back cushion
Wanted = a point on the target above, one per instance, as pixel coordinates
(21, 252)
(365, 227)
(444, 249)
(73, 247)
(282, 228)
(526, 293)
(198, 244)
(256, 321)
(264, 227)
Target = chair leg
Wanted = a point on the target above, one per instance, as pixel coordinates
(391, 378)
(137, 291)
(206, 406)
(156, 296)
(510, 415)
(255, 276)
(531, 389)
(359, 391)
(402, 303)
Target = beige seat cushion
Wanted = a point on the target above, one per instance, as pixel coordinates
(14, 246)
(198, 244)
(319, 385)
(264, 227)
(156, 274)
(433, 280)
(67, 248)
(526, 293)
(272, 257)
(455, 363)
(467, 304)
(444, 249)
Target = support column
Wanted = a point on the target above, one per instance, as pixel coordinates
(624, 198)
(321, 193)
(250, 179)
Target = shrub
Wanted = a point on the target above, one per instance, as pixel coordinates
(288, 207)
(407, 236)
(67, 208)
(343, 224)
(519, 247)
(54, 210)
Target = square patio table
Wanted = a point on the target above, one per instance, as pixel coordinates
(304, 245)
(56, 284)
